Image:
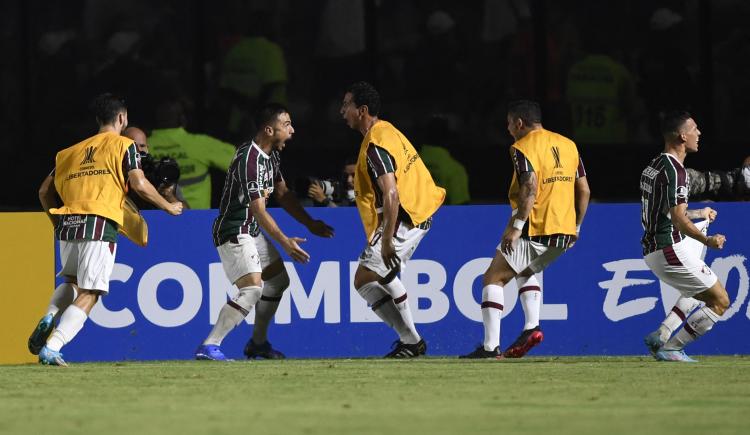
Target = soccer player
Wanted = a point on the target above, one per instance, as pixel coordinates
(91, 178)
(549, 195)
(667, 224)
(250, 261)
(396, 198)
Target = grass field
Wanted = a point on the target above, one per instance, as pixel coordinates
(594, 395)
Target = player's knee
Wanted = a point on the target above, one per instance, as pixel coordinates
(248, 297)
(364, 276)
(276, 285)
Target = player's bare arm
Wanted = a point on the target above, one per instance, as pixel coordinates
(702, 213)
(289, 244)
(48, 198)
(138, 182)
(289, 202)
(527, 183)
(391, 203)
(681, 220)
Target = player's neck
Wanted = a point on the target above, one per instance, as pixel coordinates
(367, 124)
(265, 146)
(109, 128)
(678, 151)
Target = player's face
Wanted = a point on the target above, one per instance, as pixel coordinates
(691, 135)
(282, 131)
(349, 175)
(349, 111)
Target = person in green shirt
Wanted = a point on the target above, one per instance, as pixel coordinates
(195, 153)
(447, 172)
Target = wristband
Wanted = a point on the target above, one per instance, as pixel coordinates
(518, 224)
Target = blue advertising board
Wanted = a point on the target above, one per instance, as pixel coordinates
(599, 298)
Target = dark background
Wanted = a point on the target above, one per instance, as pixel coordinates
(464, 60)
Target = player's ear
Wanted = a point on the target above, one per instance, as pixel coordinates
(268, 130)
(363, 110)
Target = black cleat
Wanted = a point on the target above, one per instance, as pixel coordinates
(480, 353)
(402, 350)
(265, 351)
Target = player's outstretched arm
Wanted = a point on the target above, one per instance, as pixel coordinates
(266, 221)
(48, 197)
(138, 182)
(681, 220)
(289, 202)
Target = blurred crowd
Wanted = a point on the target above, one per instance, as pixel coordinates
(602, 71)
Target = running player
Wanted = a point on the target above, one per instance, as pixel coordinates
(549, 195)
(396, 198)
(666, 223)
(91, 178)
(250, 261)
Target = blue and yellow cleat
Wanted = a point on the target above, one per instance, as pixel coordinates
(673, 355)
(38, 338)
(210, 352)
(51, 357)
(653, 342)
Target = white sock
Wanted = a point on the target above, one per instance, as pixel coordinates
(232, 313)
(382, 305)
(70, 325)
(267, 305)
(697, 325)
(398, 292)
(492, 311)
(62, 297)
(530, 294)
(681, 310)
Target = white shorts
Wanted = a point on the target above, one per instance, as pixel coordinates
(405, 242)
(90, 261)
(532, 255)
(246, 254)
(682, 268)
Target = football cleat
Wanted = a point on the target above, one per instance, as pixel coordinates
(523, 344)
(402, 350)
(480, 352)
(673, 355)
(38, 338)
(265, 351)
(51, 358)
(210, 352)
(653, 342)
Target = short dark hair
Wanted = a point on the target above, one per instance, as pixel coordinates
(107, 106)
(672, 121)
(526, 110)
(365, 94)
(268, 114)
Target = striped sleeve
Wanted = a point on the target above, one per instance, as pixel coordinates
(248, 172)
(132, 159)
(677, 184)
(380, 161)
(581, 170)
(520, 163)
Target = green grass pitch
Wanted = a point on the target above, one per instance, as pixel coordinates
(566, 395)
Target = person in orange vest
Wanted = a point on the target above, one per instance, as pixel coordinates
(396, 198)
(549, 196)
(92, 179)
